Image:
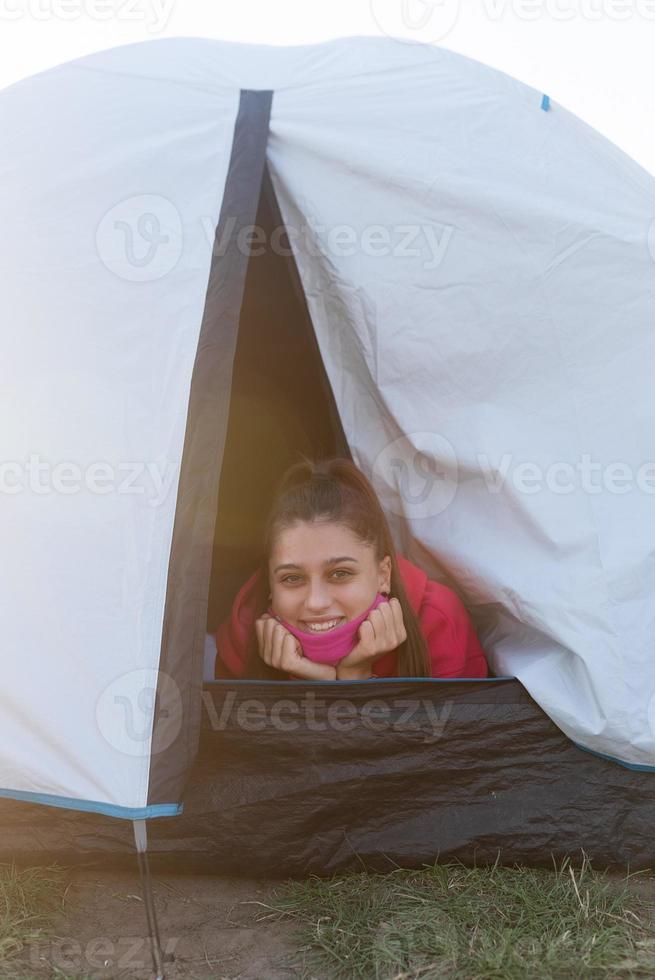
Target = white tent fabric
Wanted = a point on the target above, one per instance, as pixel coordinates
(484, 297)
(97, 356)
(479, 278)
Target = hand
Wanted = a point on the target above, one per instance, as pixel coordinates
(280, 649)
(383, 630)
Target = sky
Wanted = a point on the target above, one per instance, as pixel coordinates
(596, 57)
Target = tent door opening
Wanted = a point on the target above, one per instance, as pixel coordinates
(281, 404)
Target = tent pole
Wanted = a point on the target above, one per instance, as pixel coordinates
(141, 841)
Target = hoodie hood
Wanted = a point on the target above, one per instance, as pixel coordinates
(415, 581)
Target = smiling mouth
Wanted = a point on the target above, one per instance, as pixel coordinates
(324, 627)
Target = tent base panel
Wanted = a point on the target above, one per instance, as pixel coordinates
(295, 778)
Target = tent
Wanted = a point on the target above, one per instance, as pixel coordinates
(217, 255)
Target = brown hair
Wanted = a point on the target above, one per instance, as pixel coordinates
(336, 490)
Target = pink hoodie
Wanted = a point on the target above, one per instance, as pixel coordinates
(452, 643)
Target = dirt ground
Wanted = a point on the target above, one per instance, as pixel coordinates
(213, 927)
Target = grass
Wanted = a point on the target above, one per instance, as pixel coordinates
(29, 900)
(449, 921)
(445, 921)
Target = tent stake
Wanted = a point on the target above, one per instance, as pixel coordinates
(141, 841)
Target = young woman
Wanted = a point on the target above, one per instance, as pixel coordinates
(333, 601)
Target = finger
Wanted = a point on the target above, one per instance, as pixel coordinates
(399, 622)
(390, 636)
(294, 662)
(366, 636)
(261, 644)
(289, 654)
(316, 672)
(264, 644)
(386, 613)
(277, 642)
(270, 625)
(379, 621)
(268, 628)
(352, 660)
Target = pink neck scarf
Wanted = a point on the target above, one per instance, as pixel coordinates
(335, 644)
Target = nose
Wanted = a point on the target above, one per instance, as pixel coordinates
(318, 599)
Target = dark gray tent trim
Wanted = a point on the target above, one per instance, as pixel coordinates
(193, 531)
(294, 778)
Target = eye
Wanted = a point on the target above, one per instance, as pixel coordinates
(290, 579)
(342, 573)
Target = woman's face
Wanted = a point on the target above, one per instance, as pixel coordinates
(321, 575)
